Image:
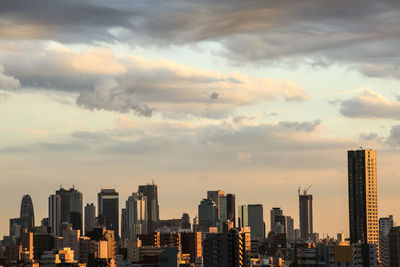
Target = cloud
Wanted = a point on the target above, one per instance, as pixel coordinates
(306, 126)
(370, 105)
(7, 82)
(326, 32)
(394, 137)
(104, 80)
(244, 157)
(111, 95)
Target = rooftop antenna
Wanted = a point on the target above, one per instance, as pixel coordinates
(298, 190)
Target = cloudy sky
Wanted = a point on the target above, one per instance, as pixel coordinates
(252, 97)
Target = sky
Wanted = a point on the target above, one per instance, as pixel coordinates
(256, 98)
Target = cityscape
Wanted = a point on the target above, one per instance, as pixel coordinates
(199, 133)
(221, 234)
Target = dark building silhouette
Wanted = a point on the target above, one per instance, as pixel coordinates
(207, 214)
(71, 207)
(150, 191)
(185, 221)
(108, 210)
(231, 208)
(90, 217)
(191, 244)
(27, 217)
(363, 201)
(394, 247)
(306, 216)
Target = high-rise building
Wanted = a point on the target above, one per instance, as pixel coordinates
(252, 215)
(90, 217)
(231, 208)
(207, 214)
(15, 227)
(394, 246)
(290, 228)
(108, 210)
(27, 217)
(137, 215)
(185, 222)
(150, 191)
(55, 214)
(273, 214)
(363, 201)
(385, 225)
(215, 196)
(306, 215)
(71, 207)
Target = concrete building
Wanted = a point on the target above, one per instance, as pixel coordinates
(274, 212)
(364, 255)
(215, 196)
(71, 239)
(207, 214)
(305, 215)
(252, 215)
(231, 208)
(385, 225)
(71, 207)
(108, 210)
(137, 215)
(90, 217)
(394, 246)
(191, 245)
(151, 193)
(363, 197)
(55, 214)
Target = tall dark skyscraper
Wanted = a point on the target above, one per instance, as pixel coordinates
(306, 215)
(71, 207)
(150, 191)
(27, 217)
(253, 215)
(231, 208)
(363, 200)
(108, 209)
(90, 217)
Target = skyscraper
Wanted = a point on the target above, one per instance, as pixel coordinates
(71, 207)
(252, 215)
(215, 196)
(108, 210)
(385, 225)
(90, 217)
(207, 214)
(27, 217)
(275, 212)
(137, 215)
(306, 215)
(231, 208)
(150, 191)
(55, 214)
(363, 201)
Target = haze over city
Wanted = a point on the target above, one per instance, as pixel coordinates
(250, 97)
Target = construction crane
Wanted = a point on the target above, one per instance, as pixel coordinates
(304, 190)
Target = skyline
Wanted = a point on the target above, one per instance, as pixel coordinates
(253, 98)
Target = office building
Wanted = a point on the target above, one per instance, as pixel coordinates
(252, 215)
(305, 215)
(215, 196)
(191, 245)
(71, 207)
(150, 191)
(273, 214)
(363, 201)
(27, 217)
(137, 215)
(108, 210)
(55, 214)
(90, 217)
(364, 255)
(290, 228)
(207, 214)
(231, 208)
(385, 225)
(394, 246)
(185, 222)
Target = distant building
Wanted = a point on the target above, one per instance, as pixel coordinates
(55, 214)
(108, 210)
(363, 200)
(306, 216)
(191, 244)
(137, 215)
(15, 227)
(27, 217)
(90, 217)
(185, 222)
(71, 207)
(364, 255)
(151, 193)
(273, 214)
(252, 215)
(207, 214)
(385, 225)
(215, 196)
(231, 208)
